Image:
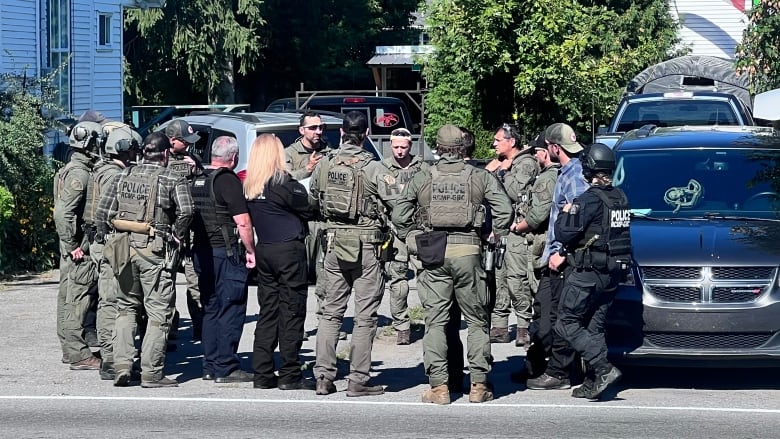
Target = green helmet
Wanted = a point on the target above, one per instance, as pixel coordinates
(120, 138)
(84, 136)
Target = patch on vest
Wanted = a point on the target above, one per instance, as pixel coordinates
(76, 184)
(133, 190)
(619, 218)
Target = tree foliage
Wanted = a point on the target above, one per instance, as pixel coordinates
(540, 61)
(759, 53)
(27, 237)
(203, 42)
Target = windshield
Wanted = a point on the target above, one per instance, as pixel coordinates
(676, 113)
(679, 183)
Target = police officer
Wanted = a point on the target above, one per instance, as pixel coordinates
(77, 271)
(351, 191)
(403, 166)
(516, 169)
(301, 157)
(563, 148)
(279, 207)
(120, 146)
(594, 230)
(150, 207)
(185, 163)
(444, 207)
(223, 253)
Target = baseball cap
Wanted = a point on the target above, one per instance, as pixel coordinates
(180, 129)
(355, 122)
(449, 135)
(562, 134)
(538, 142)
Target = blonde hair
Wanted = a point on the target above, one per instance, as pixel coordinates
(266, 164)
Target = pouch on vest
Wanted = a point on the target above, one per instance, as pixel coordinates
(347, 246)
(431, 247)
(117, 254)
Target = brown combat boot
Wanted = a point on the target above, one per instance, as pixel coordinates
(499, 335)
(480, 392)
(91, 363)
(522, 339)
(404, 337)
(437, 395)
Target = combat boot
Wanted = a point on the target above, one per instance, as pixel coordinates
(357, 389)
(437, 395)
(107, 371)
(404, 337)
(325, 386)
(91, 363)
(499, 335)
(480, 392)
(606, 375)
(522, 338)
(584, 390)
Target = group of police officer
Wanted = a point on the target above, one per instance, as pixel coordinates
(555, 228)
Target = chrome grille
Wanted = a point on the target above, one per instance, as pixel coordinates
(707, 284)
(707, 341)
(671, 272)
(719, 273)
(676, 294)
(736, 294)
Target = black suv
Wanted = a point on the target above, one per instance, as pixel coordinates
(705, 232)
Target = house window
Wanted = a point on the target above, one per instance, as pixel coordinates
(104, 29)
(58, 54)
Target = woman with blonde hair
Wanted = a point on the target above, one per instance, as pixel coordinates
(279, 207)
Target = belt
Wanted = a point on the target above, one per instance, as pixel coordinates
(370, 236)
(459, 239)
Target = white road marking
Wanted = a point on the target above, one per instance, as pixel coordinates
(585, 405)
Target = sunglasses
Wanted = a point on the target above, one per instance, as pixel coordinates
(321, 127)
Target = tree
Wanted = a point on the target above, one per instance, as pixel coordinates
(201, 42)
(540, 61)
(759, 53)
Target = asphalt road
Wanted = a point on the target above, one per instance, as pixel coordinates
(41, 398)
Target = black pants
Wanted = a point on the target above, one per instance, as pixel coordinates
(545, 342)
(585, 300)
(282, 277)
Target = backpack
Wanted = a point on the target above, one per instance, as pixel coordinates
(342, 197)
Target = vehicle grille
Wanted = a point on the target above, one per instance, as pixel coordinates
(707, 284)
(707, 341)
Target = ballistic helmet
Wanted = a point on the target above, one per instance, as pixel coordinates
(120, 139)
(84, 136)
(596, 158)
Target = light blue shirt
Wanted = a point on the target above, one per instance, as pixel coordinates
(571, 184)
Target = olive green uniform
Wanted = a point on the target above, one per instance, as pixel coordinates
(351, 262)
(398, 267)
(297, 157)
(179, 166)
(76, 277)
(537, 216)
(150, 285)
(101, 180)
(512, 284)
(461, 276)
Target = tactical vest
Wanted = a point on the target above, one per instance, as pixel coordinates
(451, 205)
(212, 221)
(137, 200)
(179, 166)
(404, 176)
(342, 196)
(607, 246)
(106, 171)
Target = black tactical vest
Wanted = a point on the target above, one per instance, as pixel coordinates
(609, 243)
(212, 222)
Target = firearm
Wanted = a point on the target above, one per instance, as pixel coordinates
(500, 252)
(489, 253)
(172, 252)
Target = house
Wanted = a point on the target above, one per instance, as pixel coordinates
(711, 27)
(79, 42)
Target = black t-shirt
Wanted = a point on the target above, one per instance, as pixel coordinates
(279, 215)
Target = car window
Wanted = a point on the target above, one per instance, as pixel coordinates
(698, 182)
(677, 113)
(202, 148)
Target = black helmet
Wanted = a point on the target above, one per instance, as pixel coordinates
(597, 157)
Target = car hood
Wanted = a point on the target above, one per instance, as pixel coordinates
(705, 242)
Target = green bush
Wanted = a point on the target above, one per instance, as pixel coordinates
(29, 240)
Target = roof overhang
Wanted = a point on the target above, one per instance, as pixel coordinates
(399, 56)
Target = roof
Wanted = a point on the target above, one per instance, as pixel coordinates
(398, 56)
(739, 137)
